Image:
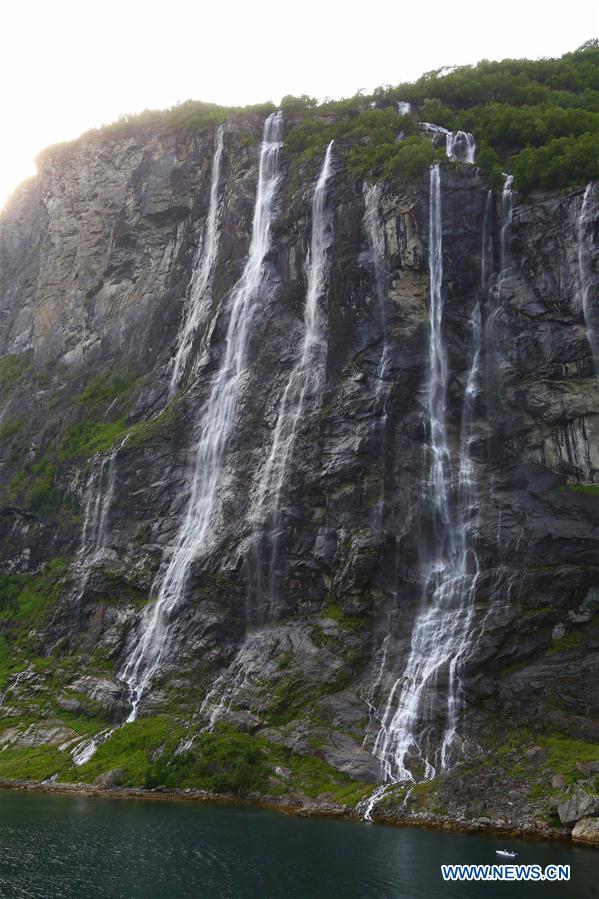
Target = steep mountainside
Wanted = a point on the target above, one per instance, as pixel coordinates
(301, 475)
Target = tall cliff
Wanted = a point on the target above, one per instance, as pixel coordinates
(317, 514)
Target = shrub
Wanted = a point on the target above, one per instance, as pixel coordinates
(223, 761)
(563, 162)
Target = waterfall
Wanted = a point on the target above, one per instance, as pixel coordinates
(486, 254)
(375, 235)
(99, 494)
(507, 204)
(304, 382)
(404, 107)
(459, 145)
(409, 743)
(217, 422)
(437, 381)
(588, 280)
(493, 370)
(198, 303)
(464, 571)
(16, 678)
(85, 749)
(98, 498)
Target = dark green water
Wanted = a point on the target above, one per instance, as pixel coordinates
(74, 846)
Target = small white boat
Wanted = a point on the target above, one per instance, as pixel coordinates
(504, 853)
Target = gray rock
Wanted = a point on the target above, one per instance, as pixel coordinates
(586, 831)
(536, 755)
(97, 260)
(579, 805)
(109, 779)
(44, 734)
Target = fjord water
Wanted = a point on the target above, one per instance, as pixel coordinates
(78, 847)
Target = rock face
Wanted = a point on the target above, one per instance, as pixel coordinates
(586, 831)
(98, 255)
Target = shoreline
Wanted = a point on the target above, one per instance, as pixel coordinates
(424, 820)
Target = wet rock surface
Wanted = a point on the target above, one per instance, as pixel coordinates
(97, 258)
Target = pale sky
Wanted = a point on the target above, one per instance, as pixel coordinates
(69, 66)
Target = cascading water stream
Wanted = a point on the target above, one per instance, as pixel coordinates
(304, 382)
(99, 495)
(507, 211)
(486, 253)
(493, 369)
(16, 680)
(375, 235)
(589, 292)
(409, 744)
(217, 422)
(464, 577)
(459, 145)
(198, 304)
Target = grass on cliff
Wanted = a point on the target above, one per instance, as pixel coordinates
(36, 763)
(563, 754)
(566, 752)
(104, 401)
(12, 368)
(224, 761)
(107, 394)
(586, 489)
(101, 407)
(27, 598)
(228, 761)
(26, 601)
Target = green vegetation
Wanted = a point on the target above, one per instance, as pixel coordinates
(569, 641)
(36, 486)
(107, 392)
(10, 427)
(36, 763)
(94, 434)
(536, 118)
(348, 622)
(144, 432)
(102, 407)
(131, 749)
(587, 489)
(85, 438)
(314, 777)
(367, 139)
(12, 367)
(27, 597)
(223, 761)
(509, 759)
(565, 753)
(291, 695)
(539, 119)
(105, 387)
(26, 600)
(188, 117)
(562, 162)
